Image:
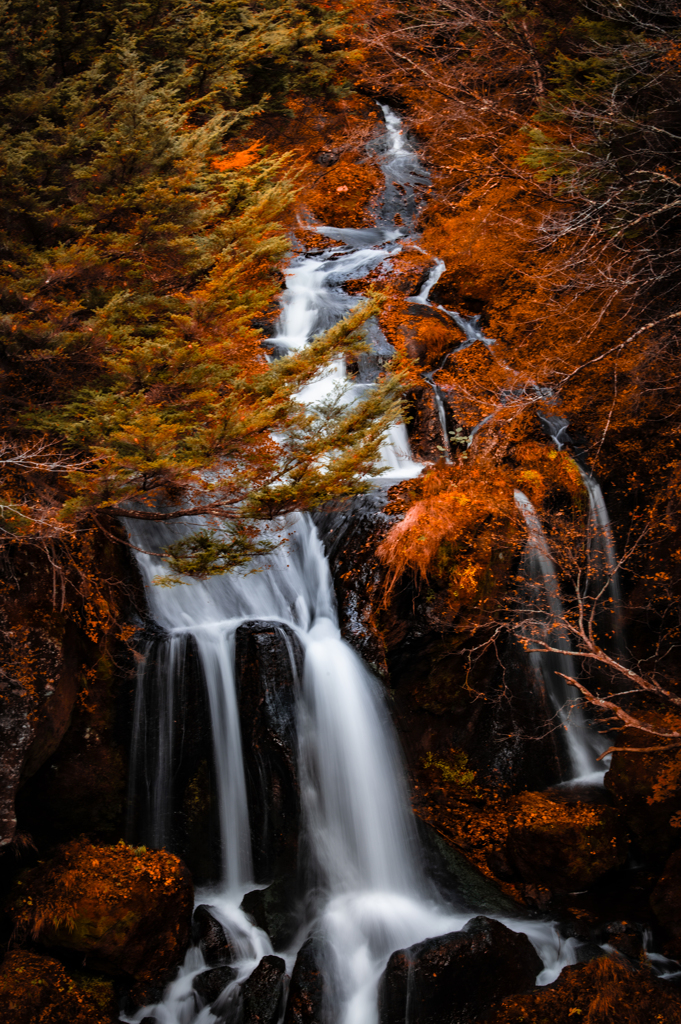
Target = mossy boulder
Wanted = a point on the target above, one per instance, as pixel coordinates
(454, 977)
(127, 909)
(665, 901)
(602, 991)
(565, 846)
(647, 791)
(37, 990)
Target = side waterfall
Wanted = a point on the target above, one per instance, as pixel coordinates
(369, 895)
(551, 667)
(604, 577)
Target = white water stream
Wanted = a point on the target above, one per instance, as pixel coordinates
(374, 897)
(546, 627)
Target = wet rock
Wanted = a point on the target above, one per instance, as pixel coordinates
(262, 994)
(81, 789)
(40, 686)
(127, 910)
(454, 977)
(326, 157)
(47, 659)
(563, 846)
(428, 334)
(588, 951)
(268, 662)
(351, 531)
(624, 936)
(370, 364)
(437, 707)
(631, 780)
(665, 901)
(210, 984)
(16, 733)
(208, 933)
(602, 991)
(424, 427)
(276, 909)
(458, 880)
(306, 992)
(409, 271)
(37, 990)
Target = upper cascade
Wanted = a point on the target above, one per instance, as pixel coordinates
(367, 892)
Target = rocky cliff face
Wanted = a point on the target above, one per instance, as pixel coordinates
(66, 674)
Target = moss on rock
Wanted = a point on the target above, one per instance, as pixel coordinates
(128, 909)
(564, 846)
(37, 990)
(603, 991)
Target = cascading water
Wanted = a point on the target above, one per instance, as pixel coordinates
(551, 667)
(604, 577)
(441, 415)
(154, 742)
(603, 557)
(364, 864)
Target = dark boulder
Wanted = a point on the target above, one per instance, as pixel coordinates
(17, 708)
(351, 530)
(566, 846)
(61, 679)
(428, 333)
(326, 157)
(370, 364)
(305, 1003)
(208, 933)
(460, 881)
(632, 779)
(627, 937)
(127, 911)
(276, 909)
(452, 978)
(268, 663)
(210, 984)
(665, 901)
(37, 990)
(262, 994)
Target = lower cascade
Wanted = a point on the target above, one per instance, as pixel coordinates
(358, 888)
(366, 892)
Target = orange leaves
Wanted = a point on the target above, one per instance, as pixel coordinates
(235, 161)
(462, 520)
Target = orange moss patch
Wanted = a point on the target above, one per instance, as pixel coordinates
(128, 909)
(564, 846)
(462, 532)
(604, 991)
(37, 990)
(342, 194)
(647, 787)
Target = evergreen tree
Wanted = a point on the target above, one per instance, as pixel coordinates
(135, 254)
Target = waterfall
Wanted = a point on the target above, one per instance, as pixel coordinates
(434, 275)
(367, 892)
(159, 674)
(604, 574)
(547, 626)
(441, 415)
(603, 558)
